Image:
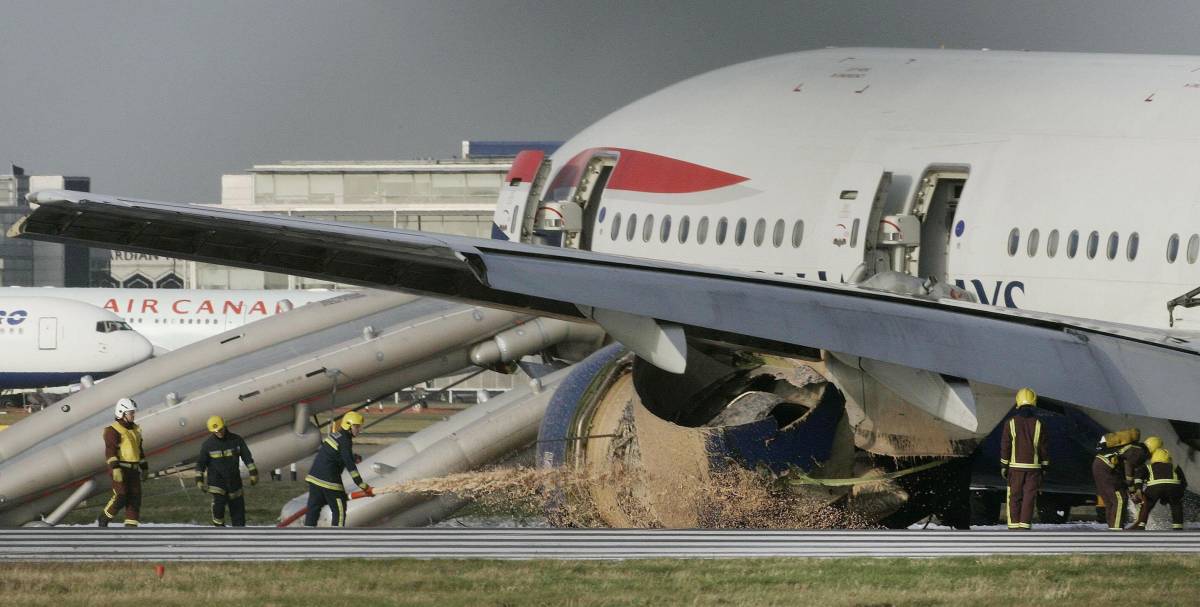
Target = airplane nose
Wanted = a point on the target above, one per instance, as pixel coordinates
(138, 347)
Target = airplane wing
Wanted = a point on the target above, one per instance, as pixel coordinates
(1106, 366)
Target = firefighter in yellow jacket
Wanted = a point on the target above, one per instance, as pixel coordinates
(1165, 483)
(127, 464)
(1023, 460)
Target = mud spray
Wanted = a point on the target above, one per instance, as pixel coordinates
(735, 498)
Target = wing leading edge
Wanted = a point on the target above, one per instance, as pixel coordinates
(1111, 367)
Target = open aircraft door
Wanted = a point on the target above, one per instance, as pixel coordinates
(518, 200)
(48, 333)
(858, 196)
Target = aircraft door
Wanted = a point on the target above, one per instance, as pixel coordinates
(856, 203)
(518, 200)
(47, 333)
(917, 239)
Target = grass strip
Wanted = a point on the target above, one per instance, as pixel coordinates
(1058, 580)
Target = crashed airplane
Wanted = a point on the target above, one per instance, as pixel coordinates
(925, 231)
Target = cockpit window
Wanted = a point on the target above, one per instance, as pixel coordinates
(109, 326)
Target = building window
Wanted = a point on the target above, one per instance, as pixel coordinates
(702, 230)
(648, 228)
(1093, 244)
(616, 226)
(664, 231)
(1014, 241)
(1172, 248)
(685, 222)
(1052, 244)
(1131, 246)
(722, 230)
(1072, 244)
(1114, 244)
(1032, 245)
(797, 233)
(739, 233)
(631, 229)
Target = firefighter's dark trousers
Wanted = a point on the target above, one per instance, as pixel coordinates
(1023, 487)
(236, 501)
(319, 497)
(1112, 491)
(126, 494)
(1172, 495)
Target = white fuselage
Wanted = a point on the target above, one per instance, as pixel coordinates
(173, 318)
(49, 341)
(1057, 143)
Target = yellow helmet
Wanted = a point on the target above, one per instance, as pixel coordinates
(1153, 443)
(1026, 397)
(1160, 456)
(352, 418)
(215, 423)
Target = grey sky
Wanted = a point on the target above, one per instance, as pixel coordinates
(157, 99)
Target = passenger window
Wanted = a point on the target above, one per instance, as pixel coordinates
(797, 233)
(601, 214)
(1052, 244)
(1093, 244)
(631, 229)
(664, 231)
(702, 230)
(1014, 241)
(739, 233)
(1072, 244)
(1172, 248)
(854, 233)
(616, 226)
(1193, 248)
(722, 230)
(648, 228)
(1032, 245)
(777, 237)
(760, 231)
(1114, 244)
(1131, 247)
(684, 223)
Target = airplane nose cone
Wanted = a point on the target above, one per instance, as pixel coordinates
(138, 348)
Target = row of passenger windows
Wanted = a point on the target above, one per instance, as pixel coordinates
(720, 233)
(1112, 245)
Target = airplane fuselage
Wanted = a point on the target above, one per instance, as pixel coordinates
(1065, 179)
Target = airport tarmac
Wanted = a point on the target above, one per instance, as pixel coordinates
(198, 544)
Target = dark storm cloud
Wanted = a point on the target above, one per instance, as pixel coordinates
(157, 100)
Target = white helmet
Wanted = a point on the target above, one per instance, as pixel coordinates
(124, 405)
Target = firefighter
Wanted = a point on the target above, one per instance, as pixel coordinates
(1135, 457)
(1164, 483)
(1109, 474)
(335, 455)
(217, 472)
(126, 460)
(1023, 460)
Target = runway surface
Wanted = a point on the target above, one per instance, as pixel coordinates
(203, 544)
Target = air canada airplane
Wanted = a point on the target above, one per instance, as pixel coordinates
(173, 318)
(938, 228)
(47, 341)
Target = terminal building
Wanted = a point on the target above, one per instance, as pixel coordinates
(447, 196)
